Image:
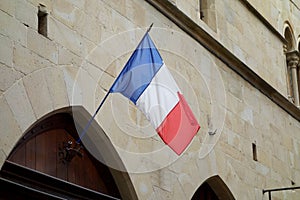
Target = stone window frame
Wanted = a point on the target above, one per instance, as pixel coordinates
(293, 64)
(298, 66)
(42, 20)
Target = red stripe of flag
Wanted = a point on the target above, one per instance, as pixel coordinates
(179, 127)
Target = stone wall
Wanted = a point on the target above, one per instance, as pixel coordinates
(89, 42)
(246, 36)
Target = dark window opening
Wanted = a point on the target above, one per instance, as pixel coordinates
(203, 9)
(254, 151)
(208, 13)
(42, 20)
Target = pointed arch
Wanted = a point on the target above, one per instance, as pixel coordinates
(37, 155)
(289, 36)
(292, 61)
(213, 188)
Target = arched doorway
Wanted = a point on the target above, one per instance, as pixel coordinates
(47, 163)
(213, 189)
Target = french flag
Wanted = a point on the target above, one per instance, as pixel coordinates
(147, 82)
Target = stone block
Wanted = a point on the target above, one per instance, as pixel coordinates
(3, 157)
(106, 80)
(167, 180)
(42, 46)
(190, 8)
(262, 169)
(66, 37)
(78, 3)
(12, 28)
(104, 14)
(110, 56)
(10, 131)
(6, 51)
(234, 140)
(120, 22)
(235, 123)
(264, 156)
(93, 7)
(160, 193)
(280, 167)
(66, 57)
(231, 151)
(66, 12)
(19, 103)
(143, 185)
(70, 74)
(85, 88)
(250, 177)
(8, 76)
(38, 93)
(8, 6)
(236, 88)
(280, 152)
(287, 142)
(89, 27)
(296, 147)
(247, 115)
(27, 61)
(57, 87)
(136, 12)
(119, 6)
(26, 13)
(234, 104)
(180, 191)
(296, 163)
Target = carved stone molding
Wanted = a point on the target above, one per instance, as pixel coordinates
(292, 58)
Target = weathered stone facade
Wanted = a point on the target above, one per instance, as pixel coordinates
(89, 41)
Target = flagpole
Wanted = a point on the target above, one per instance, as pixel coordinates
(149, 28)
(83, 132)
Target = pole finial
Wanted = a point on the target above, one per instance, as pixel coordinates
(149, 28)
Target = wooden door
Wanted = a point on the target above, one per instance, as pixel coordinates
(42, 149)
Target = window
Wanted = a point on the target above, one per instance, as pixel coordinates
(292, 60)
(42, 20)
(207, 13)
(254, 151)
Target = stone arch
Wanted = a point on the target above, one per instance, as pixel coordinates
(40, 92)
(27, 100)
(292, 60)
(44, 92)
(214, 188)
(289, 36)
(110, 155)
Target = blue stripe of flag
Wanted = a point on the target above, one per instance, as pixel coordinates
(138, 72)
